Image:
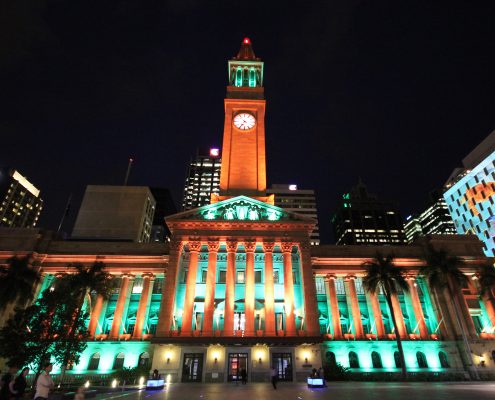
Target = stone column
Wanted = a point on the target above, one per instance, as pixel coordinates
(143, 305)
(249, 302)
(377, 314)
(269, 290)
(399, 318)
(333, 305)
(418, 310)
(353, 302)
(290, 322)
(124, 296)
(192, 273)
(228, 321)
(312, 323)
(211, 277)
(169, 290)
(95, 316)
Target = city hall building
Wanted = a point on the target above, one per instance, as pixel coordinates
(240, 287)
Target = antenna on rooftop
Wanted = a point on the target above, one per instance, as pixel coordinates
(129, 166)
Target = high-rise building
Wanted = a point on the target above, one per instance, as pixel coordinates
(21, 203)
(165, 206)
(363, 219)
(469, 194)
(115, 213)
(203, 179)
(300, 201)
(435, 220)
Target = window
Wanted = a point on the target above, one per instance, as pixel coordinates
(276, 276)
(144, 360)
(330, 359)
(353, 360)
(94, 362)
(376, 360)
(444, 362)
(240, 277)
(398, 362)
(184, 277)
(222, 276)
(257, 276)
(204, 275)
(119, 361)
(157, 286)
(420, 357)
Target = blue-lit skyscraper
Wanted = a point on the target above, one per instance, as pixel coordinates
(470, 195)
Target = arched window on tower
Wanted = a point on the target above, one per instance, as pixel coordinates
(252, 78)
(353, 360)
(94, 362)
(245, 77)
(238, 77)
(376, 360)
(444, 361)
(420, 357)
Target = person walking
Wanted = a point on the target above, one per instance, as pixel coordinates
(18, 385)
(44, 383)
(7, 379)
(274, 377)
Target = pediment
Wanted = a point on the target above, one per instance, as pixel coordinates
(240, 208)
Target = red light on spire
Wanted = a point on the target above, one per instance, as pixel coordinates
(246, 41)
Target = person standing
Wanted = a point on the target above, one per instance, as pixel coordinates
(18, 385)
(244, 376)
(44, 383)
(7, 379)
(274, 377)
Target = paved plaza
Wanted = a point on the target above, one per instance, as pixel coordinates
(340, 391)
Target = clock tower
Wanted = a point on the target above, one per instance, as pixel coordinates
(243, 153)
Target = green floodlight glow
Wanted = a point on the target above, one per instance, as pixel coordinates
(241, 210)
(346, 196)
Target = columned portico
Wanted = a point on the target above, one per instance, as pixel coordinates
(124, 296)
(211, 276)
(353, 303)
(249, 302)
(192, 273)
(268, 247)
(290, 323)
(228, 327)
(334, 305)
(418, 311)
(144, 302)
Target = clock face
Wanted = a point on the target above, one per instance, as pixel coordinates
(244, 121)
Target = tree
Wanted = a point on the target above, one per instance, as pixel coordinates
(443, 273)
(486, 279)
(78, 286)
(18, 281)
(382, 273)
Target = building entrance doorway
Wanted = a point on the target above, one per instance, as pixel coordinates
(192, 368)
(283, 364)
(237, 362)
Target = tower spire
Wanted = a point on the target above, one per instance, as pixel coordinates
(246, 51)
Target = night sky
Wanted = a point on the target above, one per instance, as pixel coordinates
(394, 92)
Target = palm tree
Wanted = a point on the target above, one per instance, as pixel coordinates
(443, 272)
(82, 283)
(382, 273)
(18, 281)
(486, 279)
